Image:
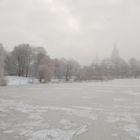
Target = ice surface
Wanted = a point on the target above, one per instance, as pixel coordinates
(71, 111)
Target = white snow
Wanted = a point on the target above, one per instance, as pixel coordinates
(119, 100)
(8, 131)
(15, 80)
(35, 113)
(132, 130)
(67, 124)
(120, 116)
(55, 134)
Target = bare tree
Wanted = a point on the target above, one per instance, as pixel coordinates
(22, 55)
(42, 66)
(39, 53)
(57, 66)
(120, 66)
(45, 70)
(10, 64)
(2, 65)
(71, 69)
(135, 67)
(34, 61)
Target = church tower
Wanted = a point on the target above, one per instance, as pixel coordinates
(115, 53)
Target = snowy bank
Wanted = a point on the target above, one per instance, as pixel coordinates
(15, 80)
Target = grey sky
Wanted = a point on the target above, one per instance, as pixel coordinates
(77, 29)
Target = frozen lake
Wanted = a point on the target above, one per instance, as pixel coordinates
(71, 111)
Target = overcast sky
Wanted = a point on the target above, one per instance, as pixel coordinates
(77, 29)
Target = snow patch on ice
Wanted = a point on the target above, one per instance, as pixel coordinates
(35, 112)
(35, 121)
(8, 131)
(56, 134)
(78, 112)
(115, 117)
(86, 97)
(114, 134)
(132, 130)
(119, 99)
(67, 124)
(3, 125)
(112, 119)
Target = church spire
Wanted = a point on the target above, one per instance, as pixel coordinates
(115, 53)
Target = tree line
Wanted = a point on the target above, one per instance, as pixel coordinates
(27, 61)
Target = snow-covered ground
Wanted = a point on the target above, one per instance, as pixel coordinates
(15, 80)
(71, 111)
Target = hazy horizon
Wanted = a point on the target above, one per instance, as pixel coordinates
(73, 28)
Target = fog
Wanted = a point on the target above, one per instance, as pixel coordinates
(73, 28)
